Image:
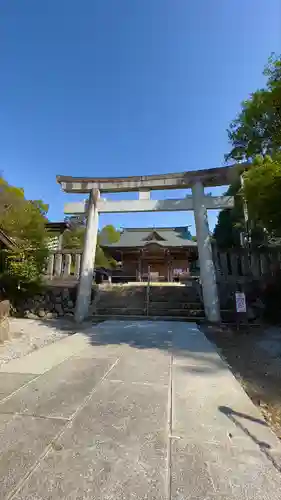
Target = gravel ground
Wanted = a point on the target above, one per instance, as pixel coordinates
(28, 335)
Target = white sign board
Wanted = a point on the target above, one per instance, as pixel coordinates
(240, 301)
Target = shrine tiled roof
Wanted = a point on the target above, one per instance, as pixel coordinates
(176, 237)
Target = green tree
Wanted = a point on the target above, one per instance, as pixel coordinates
(262, 190)
(255, 133)
(257, 129)
(108, 234)
(23, 220)
(74, 239)
(230, 221)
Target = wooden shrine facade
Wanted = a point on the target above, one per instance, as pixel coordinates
(166, 253)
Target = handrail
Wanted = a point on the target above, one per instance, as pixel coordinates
(147, 291)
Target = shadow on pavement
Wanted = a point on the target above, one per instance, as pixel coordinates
(169, 336)
(264, 447)
(232, 414)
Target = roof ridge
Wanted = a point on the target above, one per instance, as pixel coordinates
(136, 229)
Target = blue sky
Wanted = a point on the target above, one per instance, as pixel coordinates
(125, 87)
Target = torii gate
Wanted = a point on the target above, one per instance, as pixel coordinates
(198, 202)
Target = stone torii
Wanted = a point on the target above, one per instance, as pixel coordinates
(198, 202)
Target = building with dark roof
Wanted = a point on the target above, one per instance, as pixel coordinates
(165, 252)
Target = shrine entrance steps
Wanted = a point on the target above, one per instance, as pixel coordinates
(148, 301)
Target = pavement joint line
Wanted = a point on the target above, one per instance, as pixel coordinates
(150, 384)
(33, 415)
(36, 377)
(33, 379)
(169, 430)
(49, 447)
(35, 352)
(147, 384)
(20, 388)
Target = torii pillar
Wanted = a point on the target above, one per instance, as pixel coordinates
(88, 259)
(207, 268)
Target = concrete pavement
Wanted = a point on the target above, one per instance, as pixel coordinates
(132, 410)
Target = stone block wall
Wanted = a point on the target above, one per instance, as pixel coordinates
(52, 302)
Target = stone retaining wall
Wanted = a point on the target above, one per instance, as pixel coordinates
(53, 302)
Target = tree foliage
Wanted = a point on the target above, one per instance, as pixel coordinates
(230, 221)
(74, 238)
(25, 266)
(262, 190)
(255, 136)
(257, 129)
(23, 220)
(108, 234)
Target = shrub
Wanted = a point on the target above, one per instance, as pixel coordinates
(22, 272)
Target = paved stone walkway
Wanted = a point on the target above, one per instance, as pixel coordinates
(132, 410)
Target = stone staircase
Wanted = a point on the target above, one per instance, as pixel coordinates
(170, 301)
(120, 300)
(175, 301)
